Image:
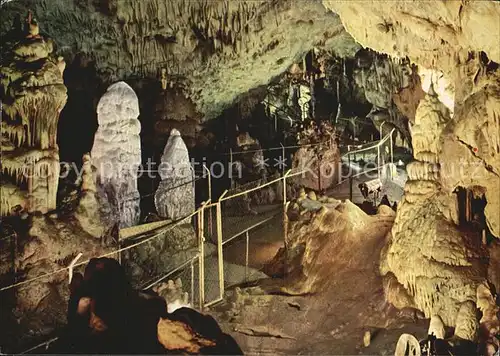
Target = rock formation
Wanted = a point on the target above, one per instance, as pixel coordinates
(174, 110)
(221, 48)
(33, 95)
(454, 142)
(50, 243)
(87, 211)
(106, 315)
(173, 294)
(319, 157)
(429, 34)
(322, 236)
(392, 86)
(437, 264)
(174, 198)
(116, 155)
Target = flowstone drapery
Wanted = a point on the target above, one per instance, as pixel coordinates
(439, 265)
(116, 155)
(33, 95)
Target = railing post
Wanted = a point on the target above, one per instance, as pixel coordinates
(285, 225)
(246, 256)
(349, 164)
(350, 187)
(283, 159)
(210, 224)
(392, 156)
(220, 249)
(231, 166)
(118, 251)
(285, 208)
(201, 250)
(284, 186)
(319, 172)
(378, 161)
(192, 283)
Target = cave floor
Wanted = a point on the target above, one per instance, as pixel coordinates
(331, 323)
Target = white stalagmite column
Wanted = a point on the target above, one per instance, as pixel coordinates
(116, 155)
(174, 198)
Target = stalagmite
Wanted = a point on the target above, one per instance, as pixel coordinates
(116, 155)
(174, 198)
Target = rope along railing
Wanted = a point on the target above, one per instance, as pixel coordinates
(275, 148)
(221, 242)
(111, 253)
(141, 239)
(114, 252)
(372, 146)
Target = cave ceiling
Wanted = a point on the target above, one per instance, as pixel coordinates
(430, 33)
(217, 49)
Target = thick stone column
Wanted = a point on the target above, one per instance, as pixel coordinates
(33, 95)
(116, 155)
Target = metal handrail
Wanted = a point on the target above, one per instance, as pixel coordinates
(248, 229)
(287, 175)
(380, 142)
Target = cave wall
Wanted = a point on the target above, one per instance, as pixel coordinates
(455, 136)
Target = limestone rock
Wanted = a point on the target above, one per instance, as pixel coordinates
(335, 238)
(174, 295)
(494, 267)
(175, 110)
(34, 96)
(174, 198)
(222, 48)
(87, 211)
(385, 210)
(49, 245)
(149, 261)
(319, 158)
(486, 303)
(116, 155)
(466, 325)
(436, 327)
(381, 78)
(427, 33)
(367, 338)
(396, 294)
(431, 118)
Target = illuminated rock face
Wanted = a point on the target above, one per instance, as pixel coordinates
(116, 155)
(174, 198)
(392, 86)
(438, 265)
(33, 95)
(455, 139)
(319, 157)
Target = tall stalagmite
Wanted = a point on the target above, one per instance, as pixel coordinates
(33, 95)
(116, 155)
(174, 197)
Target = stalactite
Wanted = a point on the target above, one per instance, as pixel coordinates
(31, 124)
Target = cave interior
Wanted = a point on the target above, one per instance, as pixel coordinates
(258, 177)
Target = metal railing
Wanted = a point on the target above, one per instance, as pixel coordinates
(159, 231)
(247, 239)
